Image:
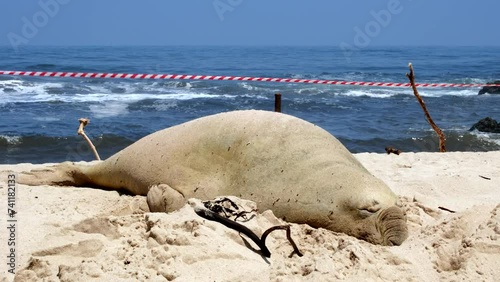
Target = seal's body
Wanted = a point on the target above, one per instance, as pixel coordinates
(296, 169)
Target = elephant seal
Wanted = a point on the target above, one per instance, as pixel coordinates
(285, 164)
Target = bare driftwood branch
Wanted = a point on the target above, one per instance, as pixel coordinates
(288, 236)
(210, 215)
(211, 211)
(442, 139)
(83, 123)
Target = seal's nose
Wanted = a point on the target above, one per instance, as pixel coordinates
(395, 241)
(392, 226)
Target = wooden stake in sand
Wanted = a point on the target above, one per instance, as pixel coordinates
(83, 123)
(442, 139)
(277, 102)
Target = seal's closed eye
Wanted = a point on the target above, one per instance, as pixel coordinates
(369, 210)
(366, 212)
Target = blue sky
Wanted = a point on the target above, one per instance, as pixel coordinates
(250, 22)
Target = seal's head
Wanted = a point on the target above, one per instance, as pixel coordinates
(373, 216)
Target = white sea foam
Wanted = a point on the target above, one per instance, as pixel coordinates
(189, 96)
(424, 92)
(473, 80)
(310, 90)
(9, 83)
(248, 86)
(22, 87)
(441, 92)
(368, 93)
(111, 105)
(11, 140)
(103, 97)
(46, 119)
(487, 136)
(18, 91)
(165, 106)
(252, 96)
(265, 87)
(110, 109)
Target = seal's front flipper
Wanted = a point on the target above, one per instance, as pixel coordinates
(63, 174)
(163, 198)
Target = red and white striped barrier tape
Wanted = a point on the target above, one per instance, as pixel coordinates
(231, 78)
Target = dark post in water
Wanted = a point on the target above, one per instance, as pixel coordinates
(277, 102)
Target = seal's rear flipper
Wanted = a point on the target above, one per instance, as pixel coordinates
(63, 174)
(163, 198)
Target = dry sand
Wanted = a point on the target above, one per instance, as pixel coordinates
(80, 234)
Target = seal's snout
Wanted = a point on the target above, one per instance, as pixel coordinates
(394, 241)
(391, 224)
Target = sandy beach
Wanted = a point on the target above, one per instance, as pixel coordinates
(452, 202)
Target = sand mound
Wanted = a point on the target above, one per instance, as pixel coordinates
(182, 246)
(80, 234)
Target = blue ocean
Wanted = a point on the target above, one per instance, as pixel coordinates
(39, 116)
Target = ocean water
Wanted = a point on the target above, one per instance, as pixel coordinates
(39, 116)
